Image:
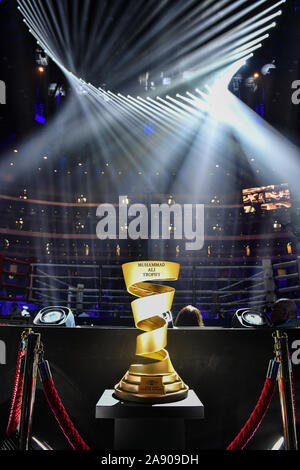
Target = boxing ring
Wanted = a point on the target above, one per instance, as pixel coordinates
(99, 291)
(71, 285)
(287, 278)
(74, 286)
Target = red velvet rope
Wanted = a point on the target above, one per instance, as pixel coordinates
(15, 409)
(62, 417)
(256, 416)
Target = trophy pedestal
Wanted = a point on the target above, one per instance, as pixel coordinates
(143, 426)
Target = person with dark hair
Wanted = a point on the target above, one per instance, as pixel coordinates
(284, 314)
(15, 312)
(189, 316)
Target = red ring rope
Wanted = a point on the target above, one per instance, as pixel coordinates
(62, 417)
(256, 416)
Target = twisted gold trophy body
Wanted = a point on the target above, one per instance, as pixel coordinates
(156, 382)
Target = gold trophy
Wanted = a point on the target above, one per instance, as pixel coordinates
(155, 382)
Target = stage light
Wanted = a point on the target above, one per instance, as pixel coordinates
(277, 225)
(256, 75)
(248, 318)
(41, 69)
(41, 57)
(55, 316)
(267, 67)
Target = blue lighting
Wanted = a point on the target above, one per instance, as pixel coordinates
(39, 110)
(40, 119)
(149, 129)
(58, 98)
(5, 306)
(39, 113)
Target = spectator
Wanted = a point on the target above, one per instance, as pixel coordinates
(284, 313)
(189, 316)
(15, 312)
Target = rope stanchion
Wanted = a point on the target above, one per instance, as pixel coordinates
(260, 410)
(55, 403)
(286, 390)
(16, 409)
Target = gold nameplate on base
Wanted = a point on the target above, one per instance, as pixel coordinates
(152, 386)
(155, 382)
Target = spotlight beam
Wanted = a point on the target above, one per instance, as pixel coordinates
(166, 108)
(56, 33)
(157, 110)
(145, 113)
(66, 31)
(177, 43)
(118, 106)
(218, 45)
(170, 114)
(125, 109)
(259, 15)
(209, 11)
(186, 36)
(111, 134)
(178, 110)
(184, 106)
(223, 25)
(132, 109)
(196, 102)
(162, 24)
(94, 37)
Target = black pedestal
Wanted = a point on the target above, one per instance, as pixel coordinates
(149, 427)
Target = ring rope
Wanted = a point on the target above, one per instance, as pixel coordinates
(51, 276)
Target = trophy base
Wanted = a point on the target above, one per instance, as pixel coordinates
(151, 389)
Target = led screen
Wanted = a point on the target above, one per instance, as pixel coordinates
(266, 198)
